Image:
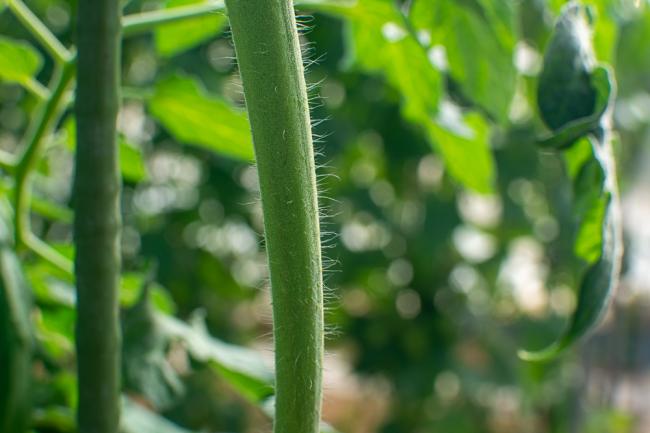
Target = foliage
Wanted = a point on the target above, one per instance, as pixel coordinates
(469, 224)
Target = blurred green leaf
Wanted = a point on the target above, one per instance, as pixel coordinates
(145, 367)
(382, 40)
(464, 143)
(594, 293)
(242, 368)
(132, 165)
(586, 95)
(137, 419)
(131, 162)
(192, 116)
(602, 83)
(565, 91)
(633, 55)
(590, 209)
(174, 38)
(599, 242)
(55, 333)
(534, 22)
(480, 57)
(58, 418)
(134, 419)
(605, 32)
(609, 420)
(19, 61)
(16, 334)
(131, 287)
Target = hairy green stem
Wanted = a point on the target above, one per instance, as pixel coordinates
(39, 31)
(270, 63)
(97, 222)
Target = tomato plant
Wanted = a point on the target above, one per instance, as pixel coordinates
(159, 167)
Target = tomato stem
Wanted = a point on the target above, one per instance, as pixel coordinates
(271, 67)
(97, 223)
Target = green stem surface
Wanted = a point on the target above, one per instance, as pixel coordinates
(270, 63)
(97, 223)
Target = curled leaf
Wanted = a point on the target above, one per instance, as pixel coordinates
(602, 82)
(565, 92)
(601, 278)
(595, 290)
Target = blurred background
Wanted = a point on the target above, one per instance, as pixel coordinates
(431, 287)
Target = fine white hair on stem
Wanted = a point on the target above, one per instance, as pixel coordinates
(324, 175)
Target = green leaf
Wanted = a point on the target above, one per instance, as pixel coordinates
(131, 162)
(480, 57)
(16, 334)
(137, 419)
(55, 333)
(595, 290)
(599, 242)
(590, 208)
(633, 63)
(57, 418)
(584, 95)
(131, 290)
(565, 92)
(568, 134)
(242, 368)
(194, 117)
(603, 82)
(605, 27)
(145, 367)
(174, 38)
(463, 142)
(381, 40)
(134, 419)
(132, 165)
(603, 86)
(19, 61)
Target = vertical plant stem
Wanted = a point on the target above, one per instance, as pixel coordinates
(268, 52)
(97, 221)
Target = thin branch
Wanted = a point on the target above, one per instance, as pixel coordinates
(36, 88)
(40, 31)
(146, 21)
(41, 127)
(49, 254)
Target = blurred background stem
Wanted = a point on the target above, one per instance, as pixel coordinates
(97, 223)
